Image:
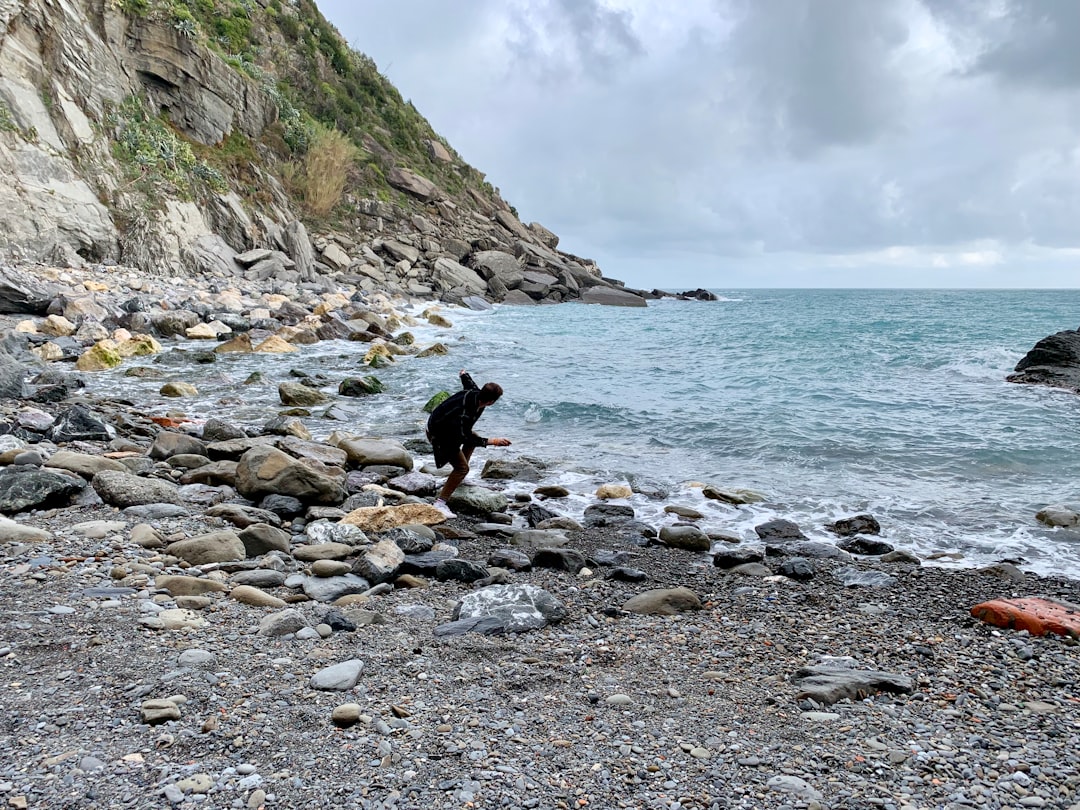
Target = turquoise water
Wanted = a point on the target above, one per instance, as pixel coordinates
(827, 402)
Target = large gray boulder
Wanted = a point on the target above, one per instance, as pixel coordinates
(1054, 361)
(497, 264)
(22, 293)
(31, 488)
(124, 489)
(365, 452)
(265, 470)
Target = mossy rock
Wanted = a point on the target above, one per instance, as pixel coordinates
(99, 357)
(436, 401)
(361, 386)
(178, 389)
(434, 349)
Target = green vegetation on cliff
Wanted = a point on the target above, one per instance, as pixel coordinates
(341, 125)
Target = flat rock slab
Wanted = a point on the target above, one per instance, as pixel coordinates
(1038, 616)
(829, 684)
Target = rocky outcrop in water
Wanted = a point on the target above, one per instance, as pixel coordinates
(1054, 361)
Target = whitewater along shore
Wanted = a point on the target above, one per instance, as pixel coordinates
(199, 614)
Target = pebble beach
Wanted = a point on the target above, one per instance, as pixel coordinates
(170, 642)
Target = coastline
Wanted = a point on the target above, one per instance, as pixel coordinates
(607, 707)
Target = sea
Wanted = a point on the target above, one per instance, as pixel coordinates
(827, 403)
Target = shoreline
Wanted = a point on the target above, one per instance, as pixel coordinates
(606, 707)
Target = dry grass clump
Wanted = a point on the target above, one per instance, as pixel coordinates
(325, 169)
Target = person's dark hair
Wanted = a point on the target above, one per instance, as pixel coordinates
(490, 392)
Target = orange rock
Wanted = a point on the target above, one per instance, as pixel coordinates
(1037, 616)
(169, 421)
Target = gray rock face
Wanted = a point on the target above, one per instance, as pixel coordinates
(12, 377)
(612, 296)
(24, 488)
(22, 293)
(1054, 361)
(123, 489)
(518, 607)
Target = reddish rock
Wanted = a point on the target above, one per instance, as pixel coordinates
(1037, 616)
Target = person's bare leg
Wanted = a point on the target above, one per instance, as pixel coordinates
(461, 469)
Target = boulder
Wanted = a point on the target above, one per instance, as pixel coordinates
(383, 518)
(477, 501)
(24, 488)
(292, 393)
(360, 386)
(365, 452)
(215, 547)
(124, 489)
(517, 608)
(260, 538)
(265, 470)
(859, 524)
(663, 602)
(21, 293)
(77, 424)
(690, 538)
(1054, 361)
(82, 464)
(779, 529)
(169, 443)
(380, 562)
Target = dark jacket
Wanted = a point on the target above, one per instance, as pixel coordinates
(450, 426)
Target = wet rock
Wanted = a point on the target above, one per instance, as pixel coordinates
(859, 524)
(735, 497)
(865, 546)
(218, 430)
(559, 559)
(361, 386)
(178, 389)
(477, 501)
(738, 555)
(1058, 516)
(689, 538)
(779, 529)
(607, 514)
(510, 469)
(299, 394)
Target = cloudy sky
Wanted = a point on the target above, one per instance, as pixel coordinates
(762, 143)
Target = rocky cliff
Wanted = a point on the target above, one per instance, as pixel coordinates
(176, 135)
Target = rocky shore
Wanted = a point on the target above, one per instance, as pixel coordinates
(202, 613)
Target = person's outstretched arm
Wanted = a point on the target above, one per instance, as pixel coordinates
(467, 381)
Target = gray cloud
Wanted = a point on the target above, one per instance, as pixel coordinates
(746, 134)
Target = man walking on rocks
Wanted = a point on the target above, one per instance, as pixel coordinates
(450, 431)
